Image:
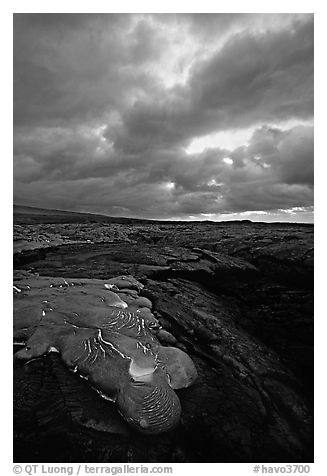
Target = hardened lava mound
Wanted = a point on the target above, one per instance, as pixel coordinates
(106, 333)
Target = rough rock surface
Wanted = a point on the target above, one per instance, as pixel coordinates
(236, 297)
(110, 344)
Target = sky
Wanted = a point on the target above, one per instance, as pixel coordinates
(165, 116)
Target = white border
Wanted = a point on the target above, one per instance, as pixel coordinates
(7, 8)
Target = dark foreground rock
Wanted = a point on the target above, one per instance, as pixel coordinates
(112, 345)
(237, 300)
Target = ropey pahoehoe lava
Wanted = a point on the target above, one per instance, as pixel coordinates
(110, 342)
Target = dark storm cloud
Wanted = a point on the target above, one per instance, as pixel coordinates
(78, 68)
(258, 77)
(254, 78)
(289, 154)
(103, 118)
(276, 172)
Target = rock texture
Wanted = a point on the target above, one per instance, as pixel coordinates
(104, 341)
(236, 297)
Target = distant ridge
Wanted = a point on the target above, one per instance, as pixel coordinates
(22, 209)
(40, 211)
(33, 215)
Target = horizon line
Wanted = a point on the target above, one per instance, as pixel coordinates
(164, 219)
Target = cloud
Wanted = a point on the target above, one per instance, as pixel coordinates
(297, 157)
(79, 68)
(252, 79)
(275, 170)
(106, 106)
